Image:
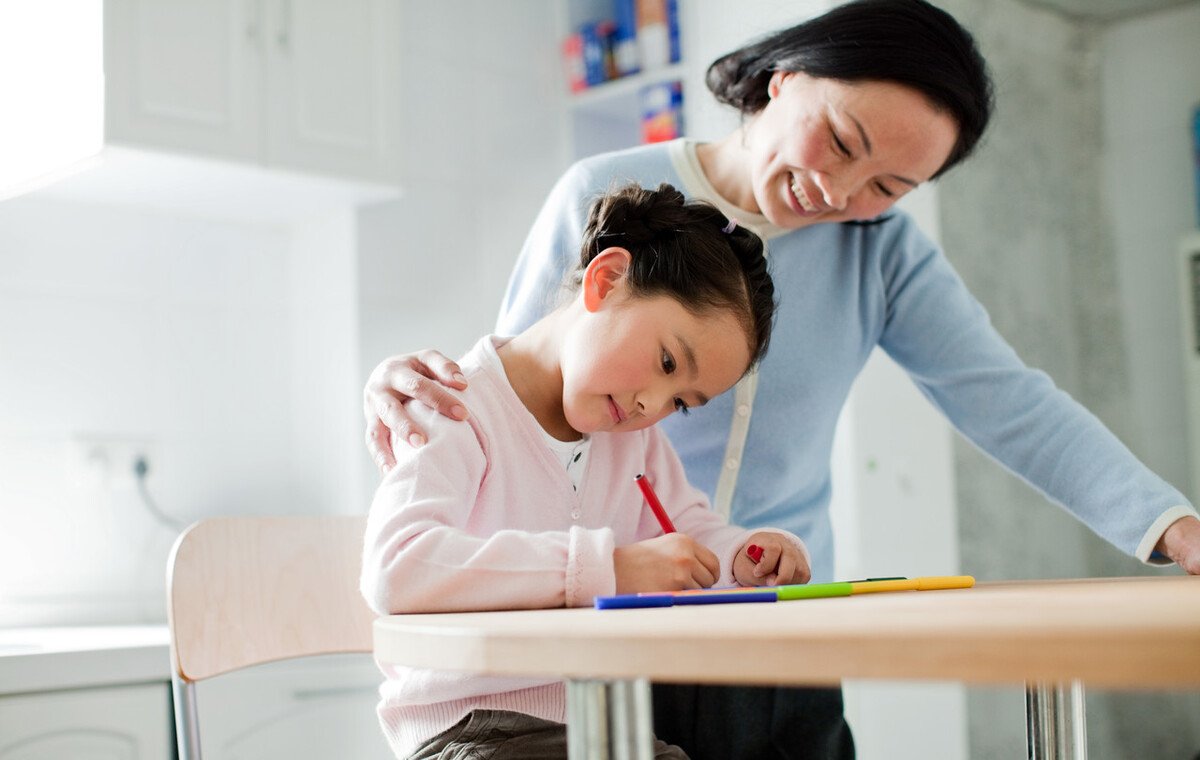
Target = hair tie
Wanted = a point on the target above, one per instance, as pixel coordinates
(729, 228)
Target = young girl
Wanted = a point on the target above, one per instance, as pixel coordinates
(533, 504)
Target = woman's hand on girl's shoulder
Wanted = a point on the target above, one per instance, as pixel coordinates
(421, 376)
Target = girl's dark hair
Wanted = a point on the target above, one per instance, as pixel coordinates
(908, 42)
(680, 248)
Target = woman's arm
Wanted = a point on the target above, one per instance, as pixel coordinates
(942, 336)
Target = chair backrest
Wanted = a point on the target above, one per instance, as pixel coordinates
(243, 591)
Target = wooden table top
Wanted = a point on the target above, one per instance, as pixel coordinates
(1117, 633)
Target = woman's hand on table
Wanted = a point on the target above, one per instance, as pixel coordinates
(781, 562)
(1181, 543)
(420, 376)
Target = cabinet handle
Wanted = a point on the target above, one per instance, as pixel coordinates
(284, 37)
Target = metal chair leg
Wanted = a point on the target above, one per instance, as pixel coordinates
(187, 722)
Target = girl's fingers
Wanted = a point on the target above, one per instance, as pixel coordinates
(770, 557)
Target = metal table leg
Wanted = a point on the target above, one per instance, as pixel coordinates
(1055, 725)
(609, 720)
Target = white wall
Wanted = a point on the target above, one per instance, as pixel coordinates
(234, 352)
(486, 136)
(143, 332)
(1150, 79)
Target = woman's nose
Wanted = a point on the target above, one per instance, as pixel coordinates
(836, 190)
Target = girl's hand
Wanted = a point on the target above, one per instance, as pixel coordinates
(668, 563)
(781, 562)
(418, 376)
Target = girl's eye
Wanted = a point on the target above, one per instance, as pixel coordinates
(668, 362)
(681, 406)
(884, 191)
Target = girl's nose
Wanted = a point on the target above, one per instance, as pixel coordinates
(655, 404)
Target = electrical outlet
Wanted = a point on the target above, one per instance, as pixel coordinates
(109, 461)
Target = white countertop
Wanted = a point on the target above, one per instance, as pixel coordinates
(44, 659)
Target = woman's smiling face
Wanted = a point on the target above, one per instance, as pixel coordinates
(824, 150)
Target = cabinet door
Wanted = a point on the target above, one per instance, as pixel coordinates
(332, 84)
(117, 723)
(318, 707)
(184, 75)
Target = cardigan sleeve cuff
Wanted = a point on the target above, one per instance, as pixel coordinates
(590, 570)
(1145, 548)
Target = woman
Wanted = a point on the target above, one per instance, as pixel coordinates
(842, 115)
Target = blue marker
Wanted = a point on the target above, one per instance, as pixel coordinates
(667, 599)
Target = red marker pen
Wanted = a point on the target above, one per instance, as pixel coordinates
(754, 552)
(655, 505)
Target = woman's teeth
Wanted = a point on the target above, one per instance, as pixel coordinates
(801, 198)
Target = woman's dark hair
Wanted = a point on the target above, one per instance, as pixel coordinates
(680, 249)
(908, 42)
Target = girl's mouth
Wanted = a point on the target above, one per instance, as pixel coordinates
(615, 410)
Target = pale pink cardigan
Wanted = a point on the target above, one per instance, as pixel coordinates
(483, 517)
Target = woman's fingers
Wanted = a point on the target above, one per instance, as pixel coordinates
(422, 377)
(379, 445)
(442, 368)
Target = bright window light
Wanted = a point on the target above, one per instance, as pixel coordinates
(51, 89)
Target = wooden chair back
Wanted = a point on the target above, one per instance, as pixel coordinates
(245, 591)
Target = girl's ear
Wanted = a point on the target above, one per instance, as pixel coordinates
(604, 276)
(776, 82)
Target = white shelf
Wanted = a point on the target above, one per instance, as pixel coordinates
(617, 91)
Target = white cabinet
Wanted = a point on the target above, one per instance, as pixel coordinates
(114, 723)
(296, 84)
(318, 707)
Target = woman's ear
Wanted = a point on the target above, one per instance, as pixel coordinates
(604, 276)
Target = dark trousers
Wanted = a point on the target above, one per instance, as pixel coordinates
(505, 735)
(753, 723)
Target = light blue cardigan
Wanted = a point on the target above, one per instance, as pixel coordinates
(843, 289)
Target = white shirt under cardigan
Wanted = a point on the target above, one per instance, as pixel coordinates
(485, 516)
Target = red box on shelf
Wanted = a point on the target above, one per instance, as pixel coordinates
(662, 111)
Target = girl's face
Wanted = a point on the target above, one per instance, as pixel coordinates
(629, 362)
(823, 150)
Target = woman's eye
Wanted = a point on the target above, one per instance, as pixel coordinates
(668, 362)
(681, 406)
(841, 146)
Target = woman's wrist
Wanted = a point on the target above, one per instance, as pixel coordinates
(1180, 542)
